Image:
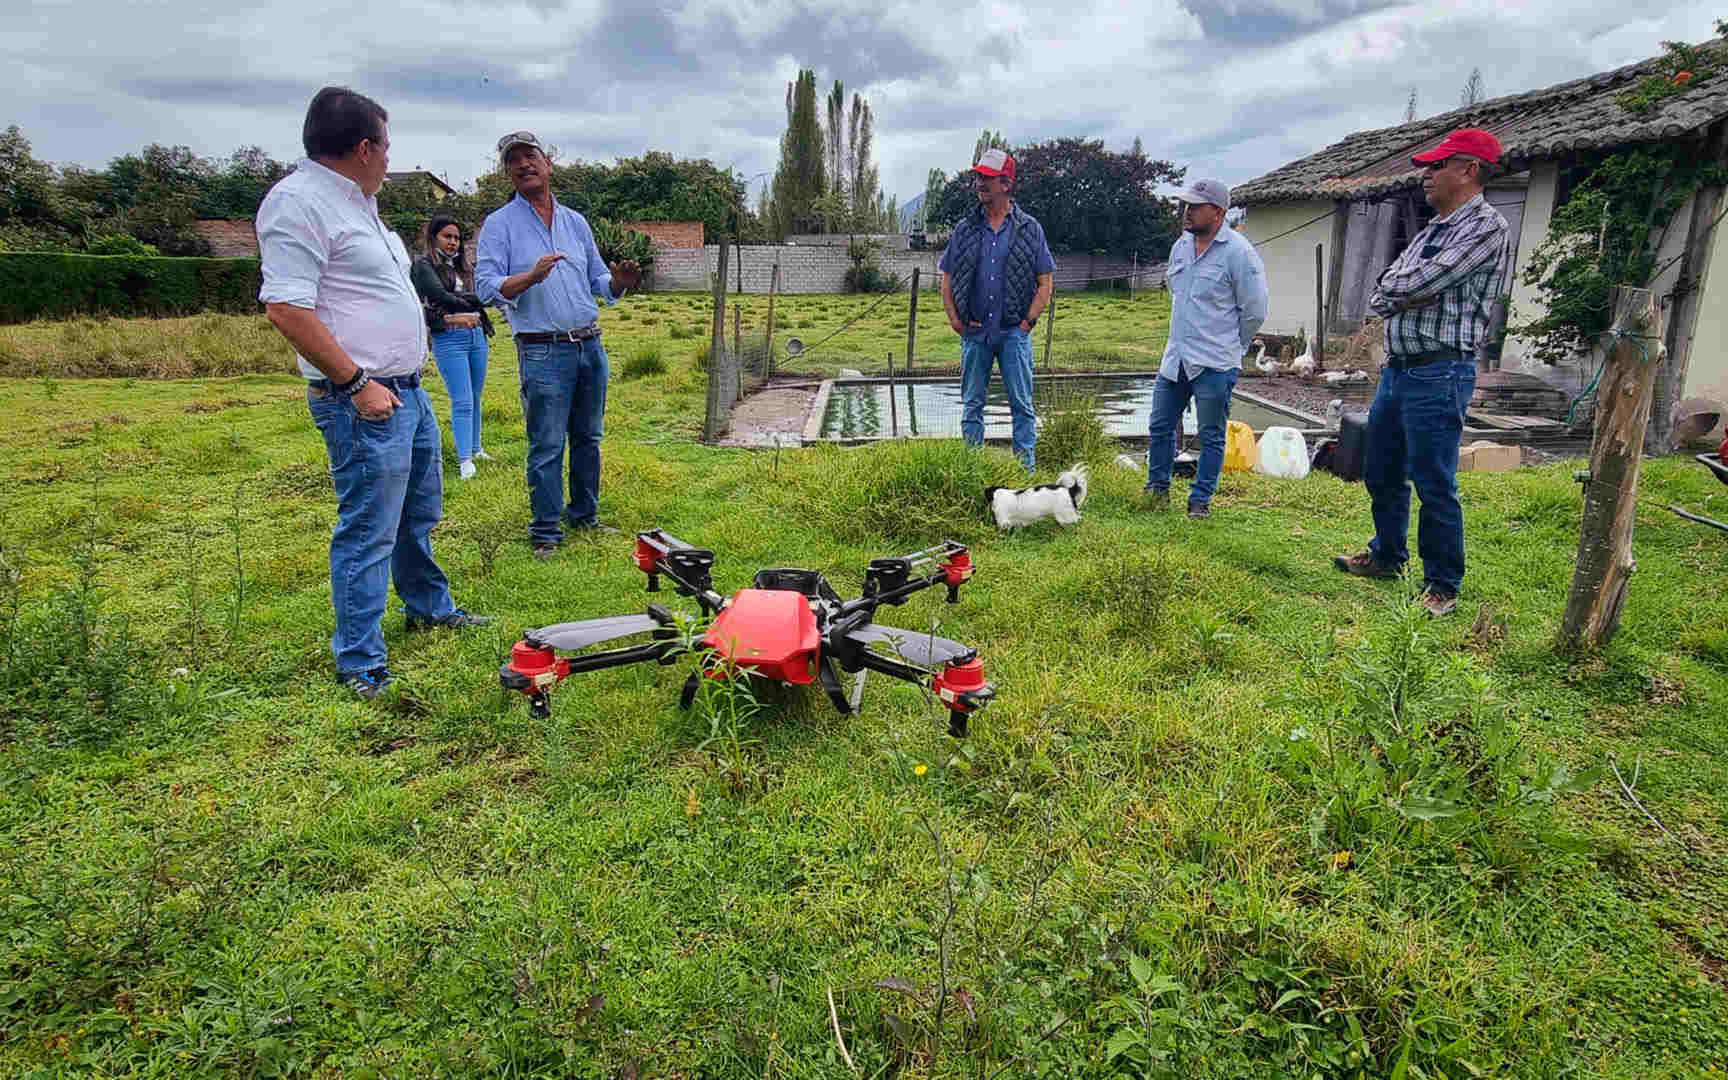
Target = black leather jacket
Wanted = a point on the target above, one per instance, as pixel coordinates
(436, 286)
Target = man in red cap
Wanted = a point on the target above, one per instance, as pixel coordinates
(997, 276)
(1435, 298)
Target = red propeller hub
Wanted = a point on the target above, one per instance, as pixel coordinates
(955, 682)
(539, 667)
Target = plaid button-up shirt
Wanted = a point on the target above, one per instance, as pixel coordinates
(1439, 292)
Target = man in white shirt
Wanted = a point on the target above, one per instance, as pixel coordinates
(336, 285)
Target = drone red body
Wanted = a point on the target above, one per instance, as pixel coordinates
(790, 626)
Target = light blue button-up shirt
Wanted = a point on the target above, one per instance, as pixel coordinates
(1217, 302)
(513, 239)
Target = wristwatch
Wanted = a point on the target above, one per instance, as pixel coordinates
(355, 385)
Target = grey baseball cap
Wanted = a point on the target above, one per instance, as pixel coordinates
(1216, 192)
(518, 138)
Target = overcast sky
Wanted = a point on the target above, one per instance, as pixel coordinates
(1228, 88)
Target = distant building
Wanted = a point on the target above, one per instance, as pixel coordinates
(670, 234)
(234, 238)
(440, 190)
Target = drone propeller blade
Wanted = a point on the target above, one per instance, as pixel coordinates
(925, 650)
(579, 635)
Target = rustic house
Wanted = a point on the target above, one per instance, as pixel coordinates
(1361, 199)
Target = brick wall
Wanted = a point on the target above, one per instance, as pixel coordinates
(670, 234)
(236, 239)
(822, 269)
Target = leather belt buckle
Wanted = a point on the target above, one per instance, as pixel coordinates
(571, 337)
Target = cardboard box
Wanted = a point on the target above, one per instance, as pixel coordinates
(1489, 457)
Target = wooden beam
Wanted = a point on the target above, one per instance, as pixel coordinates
(1317, 343)
(1335, 274)
(1688, 296)
(1605, 563)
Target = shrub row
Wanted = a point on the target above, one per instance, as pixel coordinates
(42, 285)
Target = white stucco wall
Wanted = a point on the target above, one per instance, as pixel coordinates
(1533, 229)
(1290, 259)
(1707, 370)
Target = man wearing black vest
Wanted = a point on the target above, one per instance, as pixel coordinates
(997, 276)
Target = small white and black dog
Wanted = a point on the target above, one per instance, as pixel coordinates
(1061, 500)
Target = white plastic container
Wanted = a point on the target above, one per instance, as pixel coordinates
(1282, 453)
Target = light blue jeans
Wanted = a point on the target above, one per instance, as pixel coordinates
(1211, 391)
(563, 401)
(1014, 352)
(389, 494)
(461, 359)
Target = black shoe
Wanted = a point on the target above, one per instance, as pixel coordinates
(456, 620)
(1157, 501)
(366, 684)
(1199, 511)
(545, 551)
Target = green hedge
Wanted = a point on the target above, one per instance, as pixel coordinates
(54, 285)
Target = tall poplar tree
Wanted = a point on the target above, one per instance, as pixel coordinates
(800, 181)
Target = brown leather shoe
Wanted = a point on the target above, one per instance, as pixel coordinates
(1439, 604)
(1363, 564)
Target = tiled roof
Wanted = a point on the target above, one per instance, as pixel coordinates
(1584, 114)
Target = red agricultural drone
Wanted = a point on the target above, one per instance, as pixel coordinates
(790, 626)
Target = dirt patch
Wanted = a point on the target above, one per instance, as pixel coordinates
(1306, 397)
(771, 417)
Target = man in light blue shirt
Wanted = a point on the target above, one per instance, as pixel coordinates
(539, 261)
(1217, 301)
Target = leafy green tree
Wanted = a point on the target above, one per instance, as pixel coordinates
(1086, 197)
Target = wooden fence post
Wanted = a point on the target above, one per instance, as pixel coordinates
(773, 291)
(714, 421)
(1049, 329)
(1605, 562)
(912, 321)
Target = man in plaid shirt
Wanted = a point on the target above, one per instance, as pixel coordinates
(1435, 298)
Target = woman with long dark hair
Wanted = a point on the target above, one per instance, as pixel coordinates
(456, 319)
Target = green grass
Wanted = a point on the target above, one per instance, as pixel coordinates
(1188, 840)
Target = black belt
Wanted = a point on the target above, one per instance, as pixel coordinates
(1410, 360)
(552, 337)
(394, 382)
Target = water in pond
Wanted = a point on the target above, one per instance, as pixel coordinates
(858, 410)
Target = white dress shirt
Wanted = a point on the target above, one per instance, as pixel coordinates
(323, 247)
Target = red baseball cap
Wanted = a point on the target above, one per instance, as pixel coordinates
(1472, 141)
(996, 163)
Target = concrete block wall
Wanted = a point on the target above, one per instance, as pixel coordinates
(822, 269)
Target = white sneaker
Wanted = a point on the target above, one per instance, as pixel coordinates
(481, 455)
(466, 470)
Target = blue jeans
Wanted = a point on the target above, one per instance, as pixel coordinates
(1414, 428)
(1014, 352)
(389, 494)
(461, 359)
(1211, 393)
(563, 400)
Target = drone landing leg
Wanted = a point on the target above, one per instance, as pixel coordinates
(858, 689)
(687, 696)
(539, 706)
(957, 723)
(831, 684)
